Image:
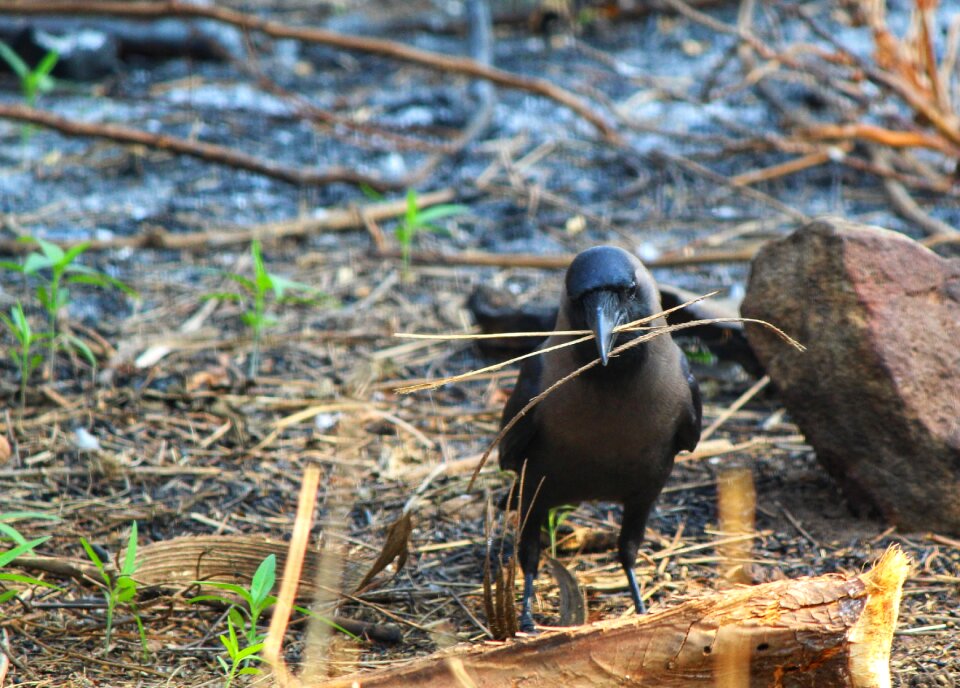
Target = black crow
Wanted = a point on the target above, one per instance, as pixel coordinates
(610, 433)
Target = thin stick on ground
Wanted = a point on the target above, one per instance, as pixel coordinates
(211, 152)
(291, 573)
(735, 406)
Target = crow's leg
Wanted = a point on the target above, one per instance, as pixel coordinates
(529, 557)
(634, 524)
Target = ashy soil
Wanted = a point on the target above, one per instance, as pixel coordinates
(168, 429)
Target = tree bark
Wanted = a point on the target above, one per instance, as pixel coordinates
(832, 630)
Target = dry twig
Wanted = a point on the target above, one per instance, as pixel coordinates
(378, 46)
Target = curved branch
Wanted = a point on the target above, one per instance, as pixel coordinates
(210, 152)
(274, 29)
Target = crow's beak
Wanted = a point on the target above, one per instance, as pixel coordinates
(603, 313)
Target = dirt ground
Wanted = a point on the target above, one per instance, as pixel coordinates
(186, 444)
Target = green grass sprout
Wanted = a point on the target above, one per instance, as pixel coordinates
(255, 293)
(25, 358)
(56, 269)
(120, 589)
(416, 221)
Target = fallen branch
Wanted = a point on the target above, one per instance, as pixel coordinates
(831, 630)
(274, 29)
(339, 219)
(793, 166)
(210, 152)
(902, 202)
(560, 261)
(888, 137)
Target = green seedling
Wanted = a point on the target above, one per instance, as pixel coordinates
(241, 657)
(120, 588)
(243, 650)
(255, 293)
(27, 361)
(555, 518)
(22, 547)
(416, 221)
(55, 269)
(243, 639)
(34, 81)
(699, 354)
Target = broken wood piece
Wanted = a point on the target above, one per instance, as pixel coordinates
(831, 630)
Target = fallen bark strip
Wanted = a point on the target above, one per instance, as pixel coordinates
(209, 152)
(336, 220)
(174, 565)
(274, 29)
(831, 630)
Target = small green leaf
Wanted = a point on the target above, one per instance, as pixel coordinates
(51, 251)
(370, 192)
(263, 579)
(412, 210)
(262, 278)
(244, 282)
(20, 320)
(13, 534)
(93, 556)
(250, 653)
(10, 265)
(15, 62)
(251, 319)
(440, 211)
(81, 274)
(27, 580)
(209, 598)
(47, 64)
(230, 641)
(35, 262)
(125, 590)
(21, 549)
(81, 347)
(282, 285)
(72, 252)
(130, 557)
(28, 516)
(229, 587)
(43, 296)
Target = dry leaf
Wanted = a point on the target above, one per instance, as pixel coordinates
(396, 547)
(573, 605)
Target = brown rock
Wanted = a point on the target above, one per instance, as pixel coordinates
(877, 393)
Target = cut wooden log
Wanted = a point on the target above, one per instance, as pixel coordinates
(831, 630)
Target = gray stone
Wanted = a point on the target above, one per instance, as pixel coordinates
(877, 393)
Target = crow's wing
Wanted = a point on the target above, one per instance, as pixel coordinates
(688, 431)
